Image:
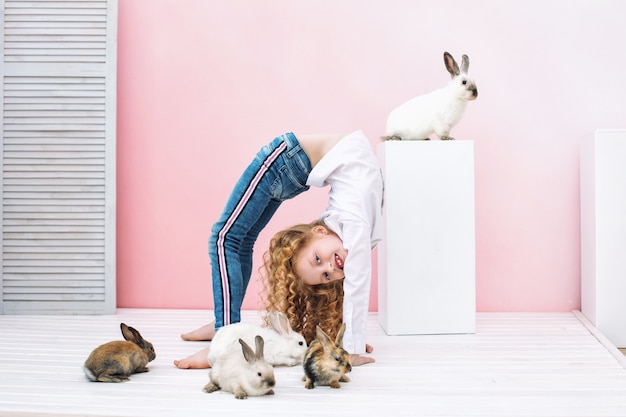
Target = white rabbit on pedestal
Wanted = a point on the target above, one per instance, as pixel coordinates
(436, 112)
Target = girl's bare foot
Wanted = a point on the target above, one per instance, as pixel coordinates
(198, 360)
(205, 332)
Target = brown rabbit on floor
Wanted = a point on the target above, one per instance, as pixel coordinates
(326, 362)
(116, 361)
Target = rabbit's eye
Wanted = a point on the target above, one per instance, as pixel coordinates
(300, 343)
(259, 374)
(464, 82)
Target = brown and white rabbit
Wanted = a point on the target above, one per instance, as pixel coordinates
(436, 112)
(283, 345)
(243, 375)
(326, 362)
(116, 361)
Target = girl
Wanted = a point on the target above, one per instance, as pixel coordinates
(299, 259)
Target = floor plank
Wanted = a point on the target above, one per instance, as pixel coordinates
(516, 364)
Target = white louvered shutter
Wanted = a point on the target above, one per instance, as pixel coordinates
(58, 99)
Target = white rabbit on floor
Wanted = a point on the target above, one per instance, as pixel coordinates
(283, 345)
(436, 112)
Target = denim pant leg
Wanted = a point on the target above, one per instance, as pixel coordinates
(278, 172)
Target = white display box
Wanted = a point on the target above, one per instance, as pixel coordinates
(603, 232)
(427, 258)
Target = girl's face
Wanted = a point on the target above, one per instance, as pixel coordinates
(321, 261)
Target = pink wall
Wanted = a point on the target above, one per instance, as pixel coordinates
(204, 83)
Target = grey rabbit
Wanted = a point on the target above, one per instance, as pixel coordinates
(244, 372)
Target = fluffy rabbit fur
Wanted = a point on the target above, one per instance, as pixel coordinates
(436, 112)
(325, 361)
(245, 376)
(116, 361)
(283, 346)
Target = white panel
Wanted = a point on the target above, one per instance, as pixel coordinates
(603, 232)
(426, 276)
(58, 156)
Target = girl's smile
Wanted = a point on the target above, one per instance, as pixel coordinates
(339, 262)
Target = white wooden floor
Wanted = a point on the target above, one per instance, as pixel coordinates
(515, 365)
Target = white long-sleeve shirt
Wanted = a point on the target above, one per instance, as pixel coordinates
(354, 213)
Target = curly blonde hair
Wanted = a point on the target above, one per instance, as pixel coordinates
(306, 305)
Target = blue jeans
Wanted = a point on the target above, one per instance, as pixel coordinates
(278, 172)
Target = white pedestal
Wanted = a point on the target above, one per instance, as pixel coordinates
(426, 261)
(603, 232)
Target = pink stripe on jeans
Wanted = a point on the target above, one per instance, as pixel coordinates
(231, 220)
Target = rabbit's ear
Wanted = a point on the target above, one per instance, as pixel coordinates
(127, 333)
(258, 340)
(284, 322)
(339, 338)
(279, 322)
(464, 64)
(451, 64)
(323, 337)
(248, 353)
(131, 334)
